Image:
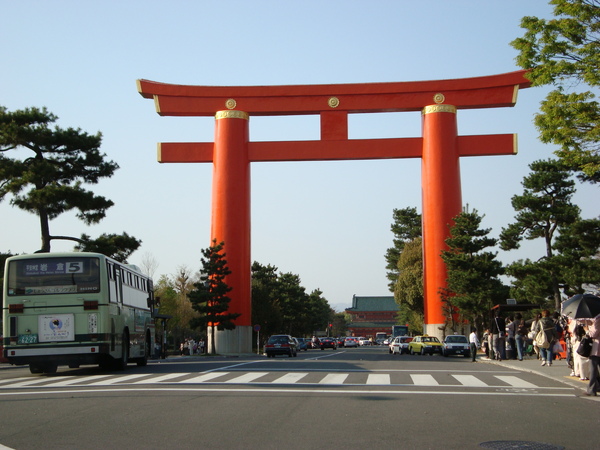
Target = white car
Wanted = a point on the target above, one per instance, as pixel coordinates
(363, 341)
(350, 342)
(456, 344)
(400, 345)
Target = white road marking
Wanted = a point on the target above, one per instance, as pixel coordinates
(247, 378)
(424, 380)
(515, 381)
(470, 380)
(334, 378)
(292, 377)
(378, 378)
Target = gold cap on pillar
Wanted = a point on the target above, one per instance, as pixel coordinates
(231, 114)
(439, 98)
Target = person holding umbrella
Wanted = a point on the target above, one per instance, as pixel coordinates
(587, 306)
(594, 332)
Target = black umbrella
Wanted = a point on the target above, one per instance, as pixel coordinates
(581, 306)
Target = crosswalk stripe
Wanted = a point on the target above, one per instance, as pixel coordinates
(515, 381)
(118, 379)
(424, 380)
(470, 380)
(168, 376)
(204, 377)
(334, 378)
(67, 381)
(378, 378)
(288, 378)
(247, 378)
(29, 382)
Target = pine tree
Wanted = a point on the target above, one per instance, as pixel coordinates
(51, 181)
(209, 298)
(473, 283)
(543, 209)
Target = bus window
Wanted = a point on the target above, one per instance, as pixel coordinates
(53, 276)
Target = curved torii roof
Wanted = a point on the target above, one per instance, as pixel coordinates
(464, 93)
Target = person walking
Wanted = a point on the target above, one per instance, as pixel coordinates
(581, 364)
(547, 326)
(474, 344)
(498, 330)
(520, 335)
(533, 334)
(594, 332)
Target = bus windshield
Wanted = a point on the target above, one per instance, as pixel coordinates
(61, 275)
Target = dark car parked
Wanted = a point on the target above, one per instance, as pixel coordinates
(281, 344)
(328, 343)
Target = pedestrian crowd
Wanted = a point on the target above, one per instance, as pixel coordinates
(514, 337)
(190, 347)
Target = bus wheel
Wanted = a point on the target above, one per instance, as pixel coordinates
(143, 361)
(34, 368)
(50, 368)
(121, 363)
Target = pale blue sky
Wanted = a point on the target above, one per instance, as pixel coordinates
(328, 222)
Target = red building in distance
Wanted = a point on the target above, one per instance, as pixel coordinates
(372, 315)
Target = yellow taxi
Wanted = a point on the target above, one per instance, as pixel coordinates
(425, 344)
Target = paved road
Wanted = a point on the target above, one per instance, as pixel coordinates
(352, 398)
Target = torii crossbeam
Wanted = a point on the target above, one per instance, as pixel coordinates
(439, 148)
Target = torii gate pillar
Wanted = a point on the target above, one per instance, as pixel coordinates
(441, 203)
(231, 222)
(231, 154)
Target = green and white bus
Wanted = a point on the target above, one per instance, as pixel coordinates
(74, 309)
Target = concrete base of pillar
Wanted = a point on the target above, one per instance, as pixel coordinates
(234, 341)
(433, 329)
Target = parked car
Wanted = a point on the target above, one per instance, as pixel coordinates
(302, 344)
(400, 344)
(281, 344)
(327, 342)
(424, 344)
(456, 344)
(350, 342)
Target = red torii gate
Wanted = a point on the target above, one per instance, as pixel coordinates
(439, 148)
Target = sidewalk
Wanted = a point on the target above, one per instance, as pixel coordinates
(559, 370)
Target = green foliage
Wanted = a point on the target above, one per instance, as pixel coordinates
(117, 246)
(280, 304)
(408, 291)
(406, 227)
(209, 297)
(50, 182)
(543, 210)
(473, 283)
(565, 52)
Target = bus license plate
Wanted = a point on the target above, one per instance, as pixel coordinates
(27, 339)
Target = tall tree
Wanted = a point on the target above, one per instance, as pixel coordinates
(266, 308)
(473, 271)
(51, 181)
(565, 52)
(543, 209)
(209, 297)
(408, 291)
(406, 227)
